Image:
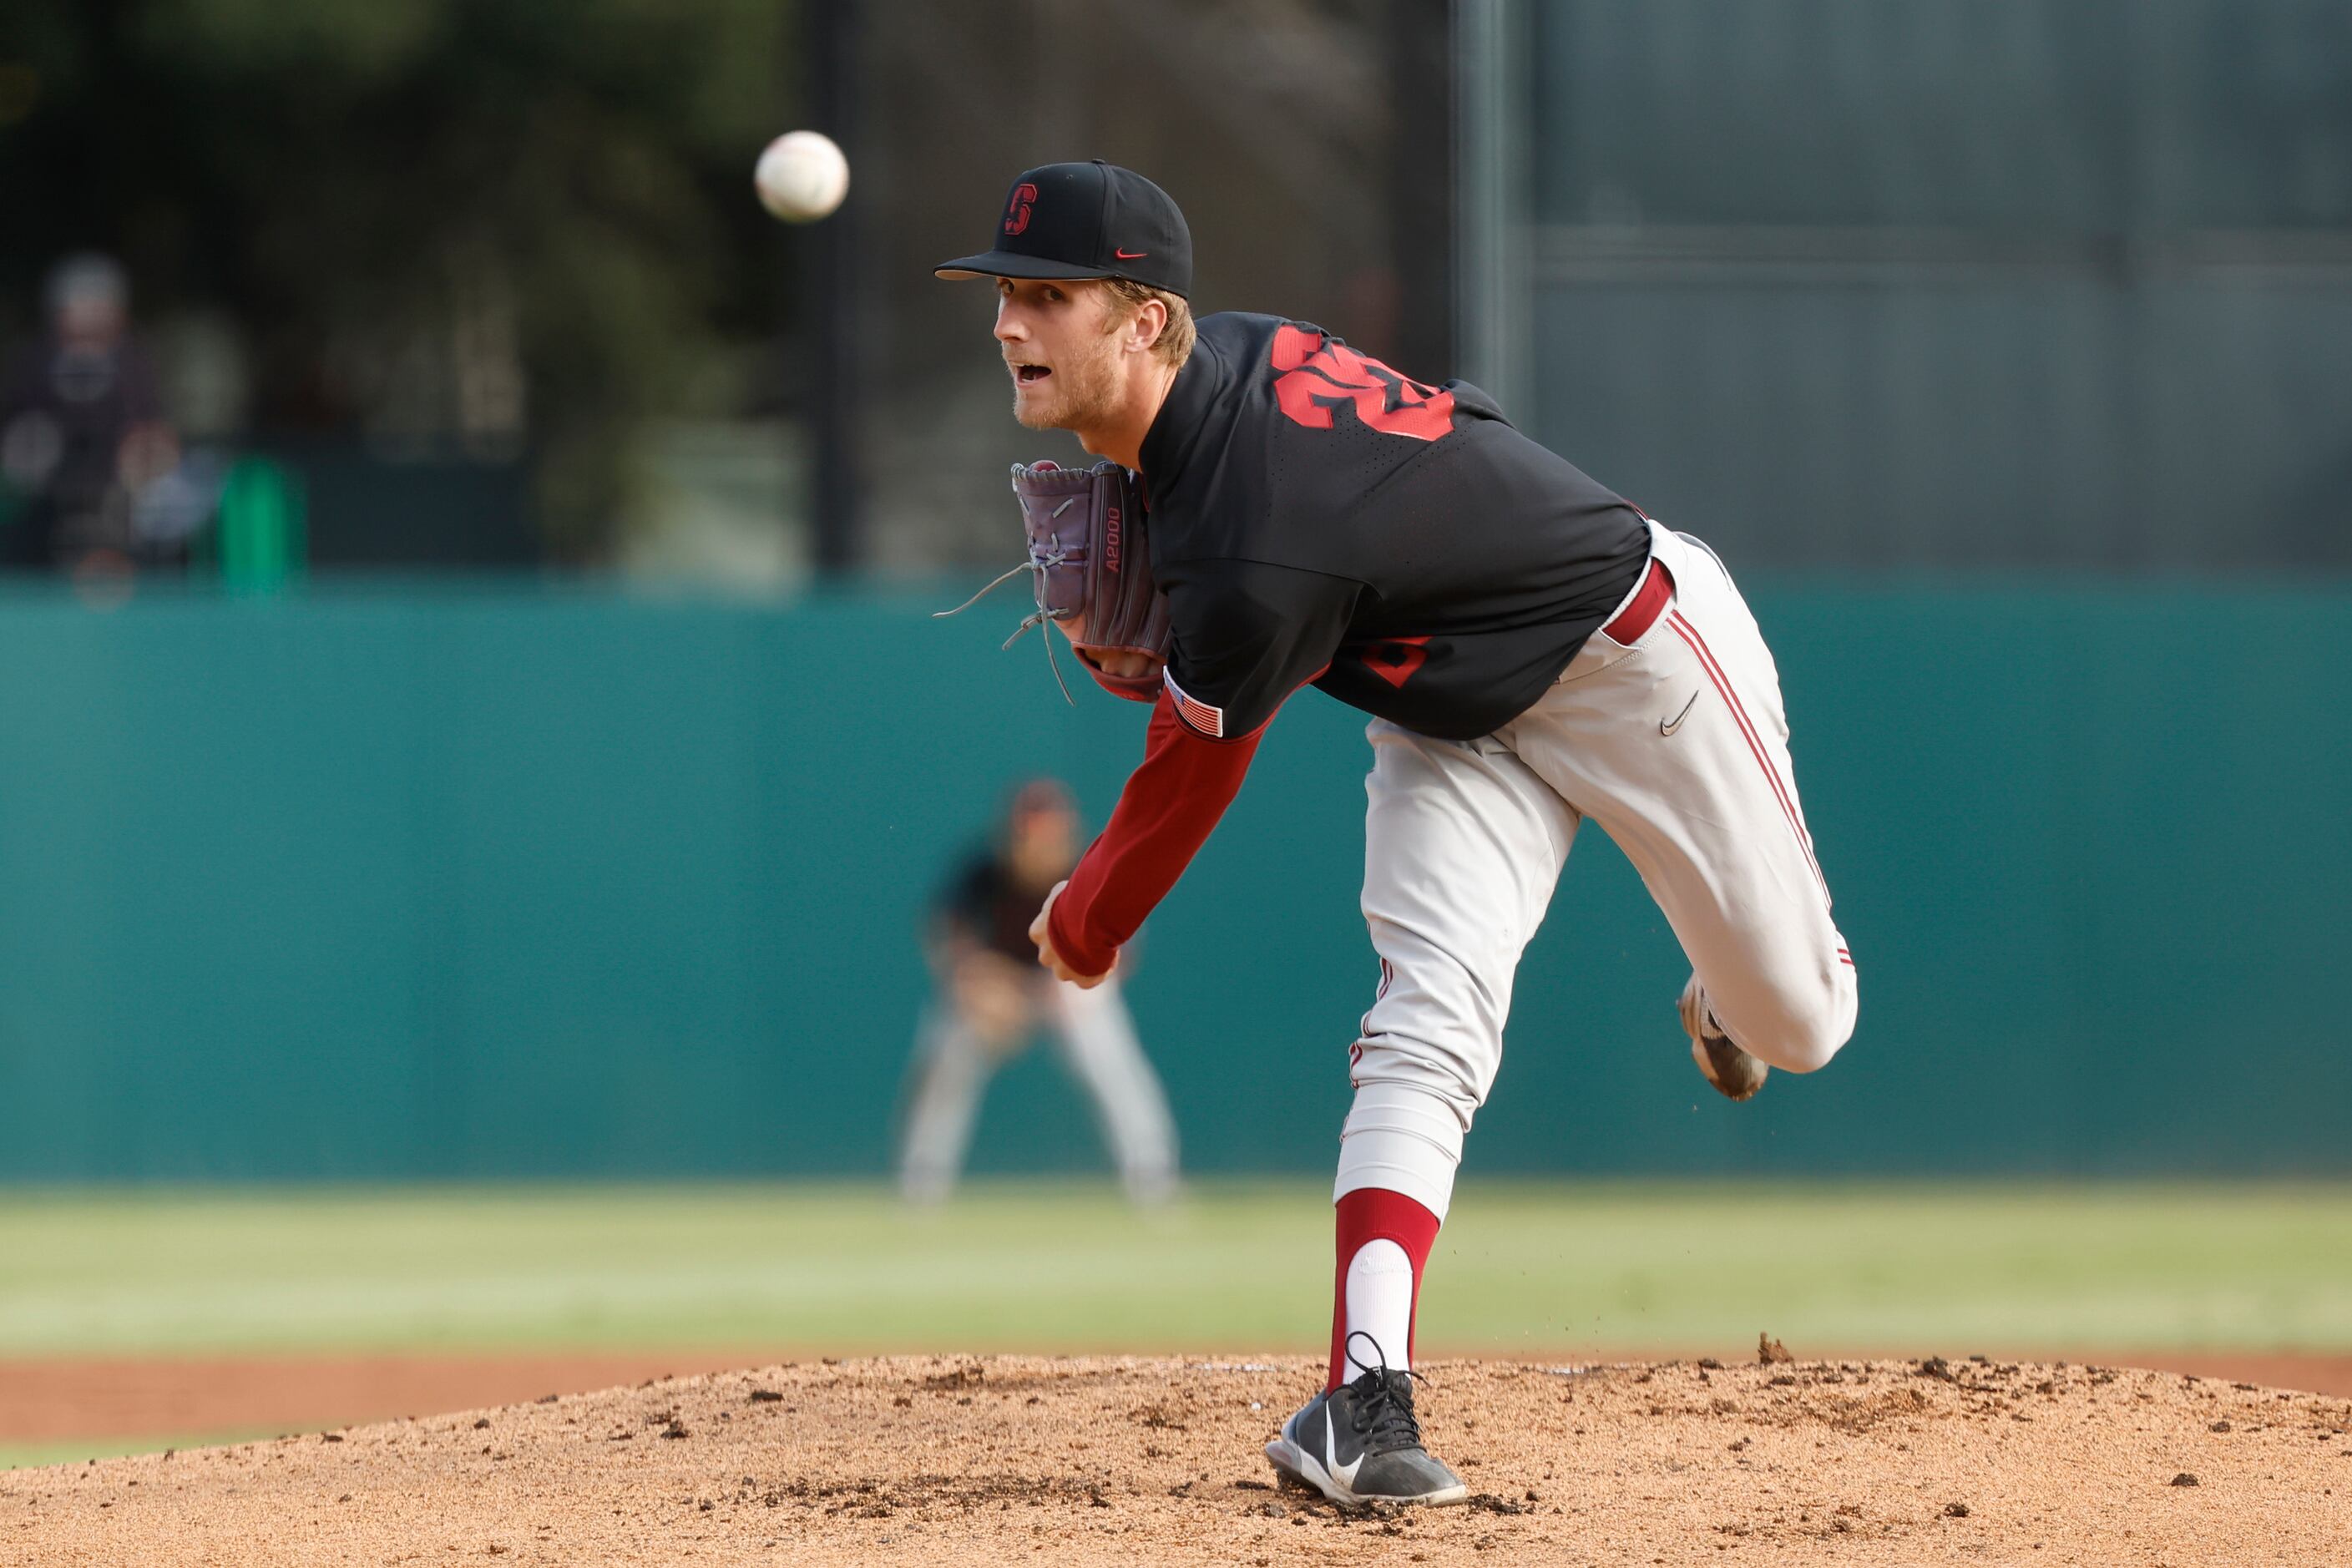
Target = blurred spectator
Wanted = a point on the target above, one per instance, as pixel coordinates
(83, 440)
(990, 996)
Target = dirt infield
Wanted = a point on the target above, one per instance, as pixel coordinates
(115, 1400)
(62, 1398)
(1137, 1461)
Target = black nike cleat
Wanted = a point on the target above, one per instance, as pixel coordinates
(1735, 1074)
(1361, 1444)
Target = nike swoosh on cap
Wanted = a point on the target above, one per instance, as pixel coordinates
(1130, 255)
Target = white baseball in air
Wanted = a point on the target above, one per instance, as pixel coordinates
(802, 176)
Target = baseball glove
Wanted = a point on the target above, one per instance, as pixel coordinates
(1092, 566)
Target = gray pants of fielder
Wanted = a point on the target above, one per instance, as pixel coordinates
(1097, 1043)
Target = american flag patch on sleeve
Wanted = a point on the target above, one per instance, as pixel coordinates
(1210, 721)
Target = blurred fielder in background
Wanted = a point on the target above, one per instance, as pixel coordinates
(990, 999)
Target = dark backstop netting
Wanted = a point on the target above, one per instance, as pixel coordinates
(1897, 284)
(1307, 142)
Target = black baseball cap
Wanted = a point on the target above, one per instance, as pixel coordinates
(1086, 220)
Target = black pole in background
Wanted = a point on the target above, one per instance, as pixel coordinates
(1419, 46)
(829, 307)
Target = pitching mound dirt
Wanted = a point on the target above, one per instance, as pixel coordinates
(1134, 1461)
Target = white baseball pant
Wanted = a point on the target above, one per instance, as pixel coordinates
(1099, 1045)
(1678, 747)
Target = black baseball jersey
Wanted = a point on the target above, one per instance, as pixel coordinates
(1313, 516)
(991, 906)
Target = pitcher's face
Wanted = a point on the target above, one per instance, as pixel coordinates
(1060, 351)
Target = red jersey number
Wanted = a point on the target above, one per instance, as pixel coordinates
(1318, 375)
(1395, 659)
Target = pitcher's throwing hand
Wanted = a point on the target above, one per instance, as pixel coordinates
(1041, 931)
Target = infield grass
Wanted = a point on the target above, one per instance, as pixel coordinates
(1535, 1269)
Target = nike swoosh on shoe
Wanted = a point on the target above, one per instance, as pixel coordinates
(1344, 1474)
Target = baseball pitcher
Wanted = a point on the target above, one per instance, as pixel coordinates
(1276, 510)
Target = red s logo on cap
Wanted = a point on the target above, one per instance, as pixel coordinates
(1016, 211)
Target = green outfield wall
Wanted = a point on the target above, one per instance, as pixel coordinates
(501, 881)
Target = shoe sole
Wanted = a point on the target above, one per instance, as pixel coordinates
(1706, 1071)
(1690, 1005)
(1305, 1469)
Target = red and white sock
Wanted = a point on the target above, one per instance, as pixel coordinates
(1385, 1239)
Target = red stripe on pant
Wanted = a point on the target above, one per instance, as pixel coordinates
(1369, 1215)
(1689, 634)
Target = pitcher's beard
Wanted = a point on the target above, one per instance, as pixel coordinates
(1085, 400)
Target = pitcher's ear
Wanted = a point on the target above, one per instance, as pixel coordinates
(1143, 329)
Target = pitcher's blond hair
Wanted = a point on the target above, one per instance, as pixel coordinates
(1175, 341)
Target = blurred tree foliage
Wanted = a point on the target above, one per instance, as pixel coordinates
(339, 176)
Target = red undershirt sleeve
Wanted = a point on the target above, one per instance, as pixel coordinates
(1172, 802)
